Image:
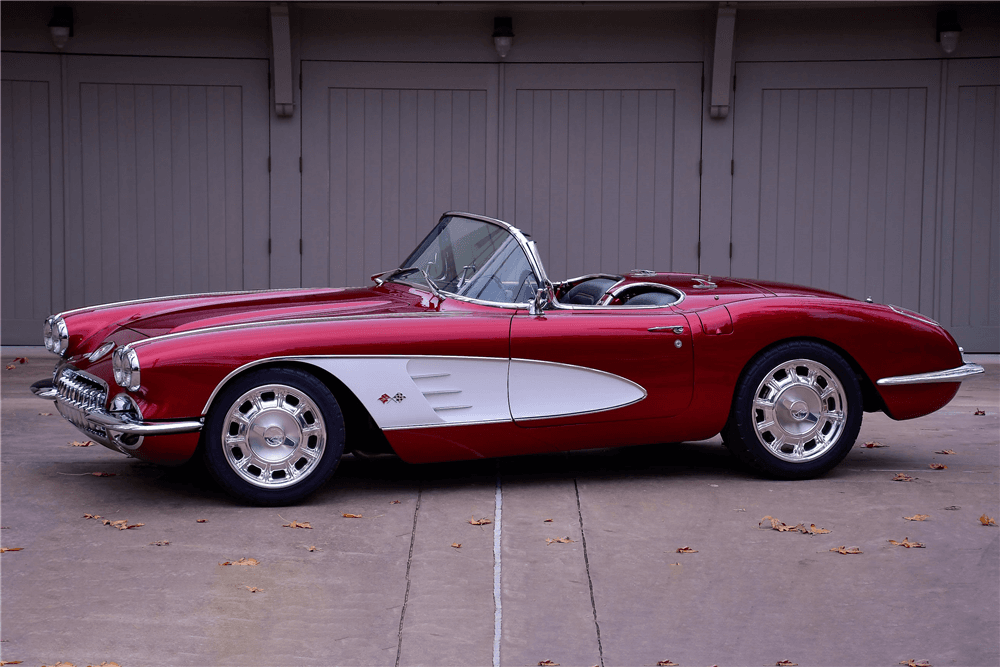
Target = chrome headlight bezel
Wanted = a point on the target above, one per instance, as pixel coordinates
(125, 364)
(56, 335)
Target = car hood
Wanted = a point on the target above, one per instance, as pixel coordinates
(130, 321)
(787, 289)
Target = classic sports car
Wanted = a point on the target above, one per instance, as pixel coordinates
(467, 350)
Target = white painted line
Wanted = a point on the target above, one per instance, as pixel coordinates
(497, 604)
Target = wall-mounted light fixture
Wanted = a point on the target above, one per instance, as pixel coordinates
(948, 30)
(61, 26)
(503, 34)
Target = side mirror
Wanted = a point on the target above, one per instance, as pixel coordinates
(543, 297)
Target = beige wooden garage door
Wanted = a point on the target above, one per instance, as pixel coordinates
(387, 148)
(601, 164)
(31, 196)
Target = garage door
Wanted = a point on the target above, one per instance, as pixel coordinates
(969, 239)
(31, 195)
(386, 149)
(168, 185)
(601, 164)
(834, 179)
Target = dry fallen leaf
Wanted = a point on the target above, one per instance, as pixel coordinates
(907, 543)
(786, 663)
(9, 662)
(9, 367)
(917, 517)
(297, 524)
(4, 550)
(62, 664)
(666, 663)
(394, 502)
(92, 516)
(121, 524)
(873, 445)
(41, 414)
(313, 548)
(547, 521)
(159, 543)
(456, 545)
(252, 589)
(85, 443)
(987, 520)
(351, 516)
(953, 507)
(547, 663)
(946, 451)
(103, 474)
(479, 522)
(785, 528)
(20, 360)
(916, 663)
(557, 540)
(900, 477)
(938, 466)
(687, 550)
(979, 413)
(250, 562)
(847, 550)
(106, 664)
(201, 521)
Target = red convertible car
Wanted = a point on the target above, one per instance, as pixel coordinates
(468, 350)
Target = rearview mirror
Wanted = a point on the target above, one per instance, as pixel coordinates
(543, 297)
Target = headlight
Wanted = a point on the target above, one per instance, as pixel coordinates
(125, 364)
(56, 335)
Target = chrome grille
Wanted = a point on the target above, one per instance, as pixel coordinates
(81, 391)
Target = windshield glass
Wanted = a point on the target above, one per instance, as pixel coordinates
(474, 259)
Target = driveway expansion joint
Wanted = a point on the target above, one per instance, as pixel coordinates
(409, 560)
(586, 562)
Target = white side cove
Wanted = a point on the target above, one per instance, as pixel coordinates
(411, 392)
(541, 389)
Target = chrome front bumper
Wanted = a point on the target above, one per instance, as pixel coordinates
(117, 431)
(950, 375)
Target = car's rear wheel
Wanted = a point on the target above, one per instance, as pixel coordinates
(796, 412)
(274, 436)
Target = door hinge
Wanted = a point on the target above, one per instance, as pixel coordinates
(269, 164)
(732, 167)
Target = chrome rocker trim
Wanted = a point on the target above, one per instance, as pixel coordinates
(120, 424)
(950, 375)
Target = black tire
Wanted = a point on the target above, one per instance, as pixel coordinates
(796, 412)
(273, 437)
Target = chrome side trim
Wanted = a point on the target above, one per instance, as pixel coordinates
(301, 320)
(912, 315)
(114, 424)
(951, 375)
(45, 389)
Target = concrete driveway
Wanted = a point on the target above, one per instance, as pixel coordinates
(390, 588)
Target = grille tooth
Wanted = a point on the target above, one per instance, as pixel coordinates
(79, 391)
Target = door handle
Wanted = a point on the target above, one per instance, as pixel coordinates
(676, 330)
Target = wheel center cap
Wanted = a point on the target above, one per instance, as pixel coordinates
(274, 436)
(798, 410)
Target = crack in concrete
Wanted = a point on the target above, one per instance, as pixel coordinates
(590, 581)
(497, 602)
(409, 560)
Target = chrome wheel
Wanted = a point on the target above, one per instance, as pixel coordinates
(273, 436)
(799, 410)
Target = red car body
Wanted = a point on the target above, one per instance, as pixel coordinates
(686, 357)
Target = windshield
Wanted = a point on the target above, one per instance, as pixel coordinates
(475, 259)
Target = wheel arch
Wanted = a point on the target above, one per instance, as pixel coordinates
(871, 399)
(360, 430)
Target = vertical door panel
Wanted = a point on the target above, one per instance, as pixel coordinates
(32, 195)
(388, 148)
(168, 177)
(969, 250)
(601, 164)
(835, 177)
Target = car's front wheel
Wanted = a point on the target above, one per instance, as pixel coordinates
(274, 436)
(796, 412)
